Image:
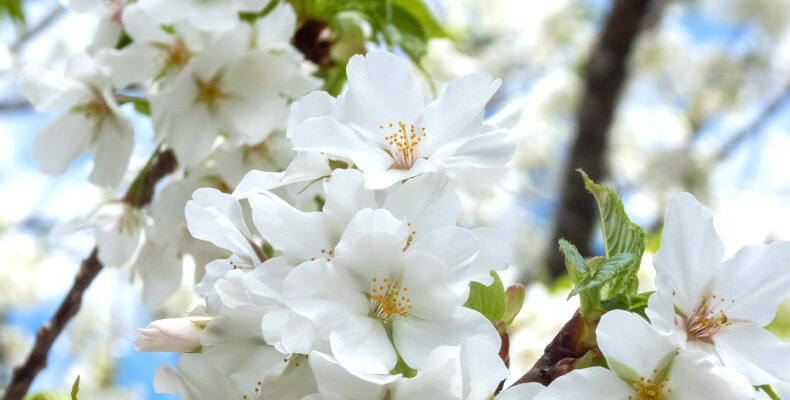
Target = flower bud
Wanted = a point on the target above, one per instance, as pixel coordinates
(173, 335)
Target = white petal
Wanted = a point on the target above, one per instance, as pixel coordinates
(416, 338)
(487, 150)
(117, 246)
(690, 250)
(217, 217)
(754, 282)
(160, 271)
(381, 179)
(325, 134)
(426, 278)
(754, 352)
(589, 383)
(361, 344)
(60, 142)
(458, 111)
(695, 375)
(455, 246)
(46, 90)
(372, 246)
(274, 31)
(213, 16)
(315, 104)
(192, 134)
(427, 201)
(336, 383)
(298, 235)
(111, 150)
(622, 338)
(381, 90)
(482, 369)
(345, 195)
(325, 295)
(307, 166)
(524, 391)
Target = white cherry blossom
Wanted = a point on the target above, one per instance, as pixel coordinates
(644, 365)
(91, 123)
(717, 306)
(384, 127)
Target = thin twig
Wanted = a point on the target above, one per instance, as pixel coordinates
(162, 164)
(756, 125)
(41, 26)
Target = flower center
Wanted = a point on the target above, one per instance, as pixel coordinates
(210, 92)
(388, 300)
(403, 143)
(177, 54)
(648, 389)
(708, 319)
(95, 108)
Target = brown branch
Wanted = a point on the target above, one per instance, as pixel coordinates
(605, 76)
(756, 125)
(163, 164)
(572, 342)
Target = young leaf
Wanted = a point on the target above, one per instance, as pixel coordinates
(574, 262)
(620, 235)
(608, 270)
(487, 300)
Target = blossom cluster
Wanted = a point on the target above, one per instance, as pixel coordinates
(370, 289)
(325, 229)
(217, 89)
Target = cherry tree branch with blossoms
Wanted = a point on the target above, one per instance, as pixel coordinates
(319, 194)
(140, 195)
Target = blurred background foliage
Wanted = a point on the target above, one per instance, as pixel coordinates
(703, 109)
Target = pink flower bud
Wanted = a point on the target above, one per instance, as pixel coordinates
(173, 335)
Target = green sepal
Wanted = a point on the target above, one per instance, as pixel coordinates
(487, 300)
(75, 388)
(769, 391)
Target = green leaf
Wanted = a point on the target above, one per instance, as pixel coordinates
(487, 300)
(514, 301)
(14, 10)
(418, 11)
(608, 270)
(635, 303)
(574, 262)
(75, 388)
(620, 235)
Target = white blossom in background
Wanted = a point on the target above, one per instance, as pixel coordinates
(231, 89)
(721, 307)
(91, 121)
(211, 16)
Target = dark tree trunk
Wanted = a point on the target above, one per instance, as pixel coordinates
(605, 74)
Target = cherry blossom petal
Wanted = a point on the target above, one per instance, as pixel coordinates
(754, 352)
(459, 109)
(754, 282)
(690, 250)
(589, 383)
(361, 344)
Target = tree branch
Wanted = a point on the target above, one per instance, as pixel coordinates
(605, 75)
(161, 165)
(41, 26)
(756, 125)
